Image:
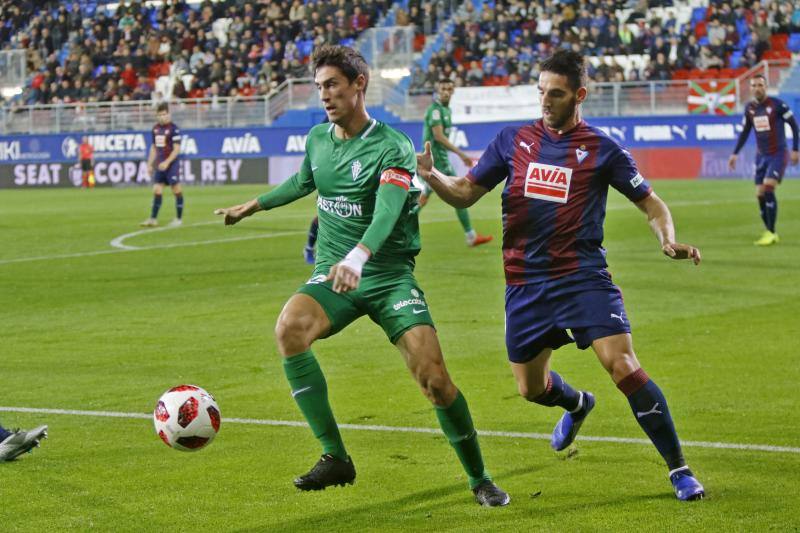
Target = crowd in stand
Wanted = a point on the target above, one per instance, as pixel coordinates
(505, 42)
(239, 48)
(230, 48)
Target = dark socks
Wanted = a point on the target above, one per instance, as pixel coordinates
(559, 393)
(770, 208)
(178, 205)
(156, 205)
(650, 409)
(762, 210)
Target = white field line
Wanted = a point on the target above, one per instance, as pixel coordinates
(126, 248)
(401, 429)
(119, 246)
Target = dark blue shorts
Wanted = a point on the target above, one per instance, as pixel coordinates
(539, 314)
(171, 176)
(771, 166)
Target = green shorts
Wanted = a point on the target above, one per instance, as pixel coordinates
(393, 300)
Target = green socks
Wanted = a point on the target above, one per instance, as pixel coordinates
(311, 394)
(463, 217)
(457, 426)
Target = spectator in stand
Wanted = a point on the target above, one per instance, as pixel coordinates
(707, 59)
(475, 74)
(129, 77)
(659, 70)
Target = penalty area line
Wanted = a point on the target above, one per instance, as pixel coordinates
(401, 429)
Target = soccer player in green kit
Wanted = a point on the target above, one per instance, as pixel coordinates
(368, 238)
(436, 130)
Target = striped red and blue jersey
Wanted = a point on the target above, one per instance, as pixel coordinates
(554, 199)
(768, 118)
(165, 138)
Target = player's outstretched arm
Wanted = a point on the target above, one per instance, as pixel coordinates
(236, 213)
(458, 192)
(290, 190)
(660, 220)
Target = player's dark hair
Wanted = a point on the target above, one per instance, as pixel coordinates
(567, 63)
(163, 106)
(446, 80)
(348, 60)
(759, 75)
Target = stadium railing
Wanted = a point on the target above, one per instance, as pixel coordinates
(607, 99)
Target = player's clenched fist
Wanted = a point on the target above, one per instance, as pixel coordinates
(346, 274)
(344, 279)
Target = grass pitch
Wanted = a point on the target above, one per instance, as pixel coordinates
(86, 326)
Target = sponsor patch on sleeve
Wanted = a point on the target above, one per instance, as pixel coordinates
(396, 176)
(637, 180)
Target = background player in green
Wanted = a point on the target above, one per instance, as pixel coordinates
(368, 238)
(436, 130)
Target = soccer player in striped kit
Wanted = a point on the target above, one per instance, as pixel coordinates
(767, 115)
(163, 165)
(557, 172)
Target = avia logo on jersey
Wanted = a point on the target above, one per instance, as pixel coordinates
(414, 300)
(246, 144)
(339, 206)
(761, 123)
(548, 182)
(355, 169)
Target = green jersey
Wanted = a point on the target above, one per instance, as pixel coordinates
(347, 174)
(438, 115)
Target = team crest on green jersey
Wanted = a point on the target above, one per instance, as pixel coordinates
(355, 169)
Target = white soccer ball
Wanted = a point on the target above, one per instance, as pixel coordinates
(187, 418)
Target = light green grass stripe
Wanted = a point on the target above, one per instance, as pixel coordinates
(401, 429)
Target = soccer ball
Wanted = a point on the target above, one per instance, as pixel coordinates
(187, 418)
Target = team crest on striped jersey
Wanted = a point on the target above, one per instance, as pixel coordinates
(581, 153)
(355, 169)
(548, 182)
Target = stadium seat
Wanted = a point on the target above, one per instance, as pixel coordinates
(778, 41)
(700, 29)
(727, 73)
(680, 74)
(698, 15)
(777, 54)
(794, 42)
